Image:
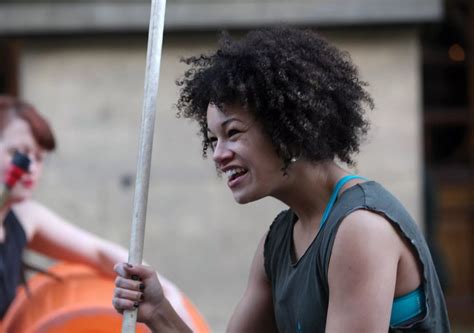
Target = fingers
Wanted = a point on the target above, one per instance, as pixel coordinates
(128, 294)
(120, 270)
(121, 304)
(137, 286)
(132, 271)
(134, 296)
(142, 271)
(129, 284)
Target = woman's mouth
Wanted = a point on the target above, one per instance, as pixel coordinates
(234, 176)
(27, 183)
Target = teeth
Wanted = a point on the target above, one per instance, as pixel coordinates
(231, 172)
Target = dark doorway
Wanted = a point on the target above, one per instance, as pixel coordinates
(448, 102)
(9, 59)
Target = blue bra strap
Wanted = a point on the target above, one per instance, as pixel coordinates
(334, 195)
(407, 307)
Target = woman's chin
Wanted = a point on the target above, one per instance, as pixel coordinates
(17, 198)
(241, 201)
(244, 198)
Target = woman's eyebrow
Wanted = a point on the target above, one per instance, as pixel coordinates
(225, 123)
(229, 120)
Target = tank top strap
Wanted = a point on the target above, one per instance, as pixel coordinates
(335, 194)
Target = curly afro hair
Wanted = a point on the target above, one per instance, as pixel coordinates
(305, 92)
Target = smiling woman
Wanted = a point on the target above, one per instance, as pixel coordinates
(242, 151)
(280, 110)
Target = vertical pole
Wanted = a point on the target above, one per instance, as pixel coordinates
(152, 74)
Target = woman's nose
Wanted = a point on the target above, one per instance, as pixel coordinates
(32, 167)
(33, 164)
(221, 153)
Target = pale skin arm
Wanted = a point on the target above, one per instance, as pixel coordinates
(51, 235)
(254, 313)
(54, 237)
(362, 274)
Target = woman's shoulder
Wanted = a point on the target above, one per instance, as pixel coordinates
(376, 195)
(30, 208)
(30, 213)
(359, 230)
(362, 224)
(369, 238)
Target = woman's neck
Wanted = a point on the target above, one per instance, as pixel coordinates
(3, 214)
(309, 188)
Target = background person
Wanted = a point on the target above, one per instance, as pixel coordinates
(25, 223)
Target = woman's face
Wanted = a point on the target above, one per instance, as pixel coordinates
(244, 154)
(17, 136)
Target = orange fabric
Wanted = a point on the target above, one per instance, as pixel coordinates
(79, 302)
(200, 324)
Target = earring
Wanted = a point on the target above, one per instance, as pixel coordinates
(293, 159)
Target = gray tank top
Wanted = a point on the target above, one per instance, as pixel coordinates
(300, 290)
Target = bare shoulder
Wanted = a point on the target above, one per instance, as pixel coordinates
(31, 214)
(364, 225)
(368, 237)
(31, 209)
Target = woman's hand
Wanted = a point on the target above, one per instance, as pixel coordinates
(138, 287)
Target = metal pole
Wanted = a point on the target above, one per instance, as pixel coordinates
(152, 74)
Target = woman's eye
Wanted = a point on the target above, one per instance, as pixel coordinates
(213, 142)
(39, 157)
(13, 151)
(232, 132)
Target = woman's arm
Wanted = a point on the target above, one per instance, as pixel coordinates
(362, 274)
(53, 236)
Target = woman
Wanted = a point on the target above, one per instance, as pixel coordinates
(278, 109)
(25, 223)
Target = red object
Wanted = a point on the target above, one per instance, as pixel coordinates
(20, 165)
(13, 174)
(80, 302)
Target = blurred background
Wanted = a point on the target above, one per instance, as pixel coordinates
(82, 64)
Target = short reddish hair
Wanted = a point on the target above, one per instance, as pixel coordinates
(12, 107)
